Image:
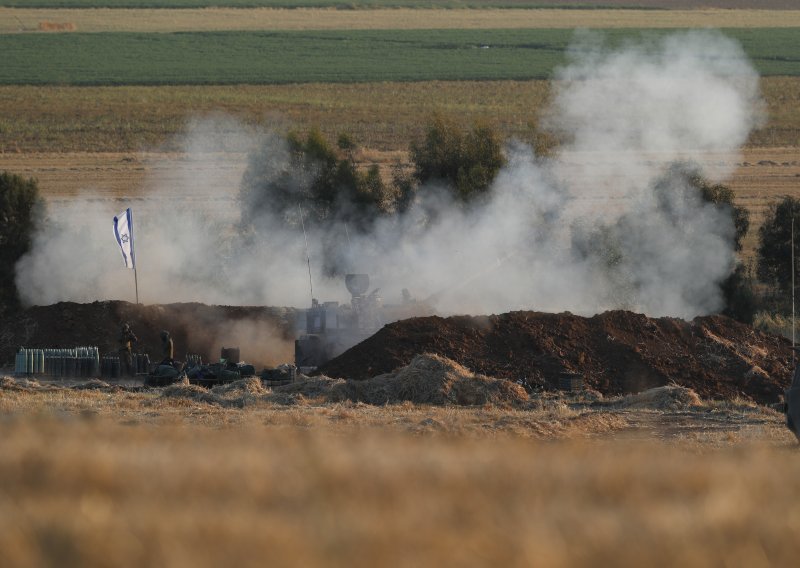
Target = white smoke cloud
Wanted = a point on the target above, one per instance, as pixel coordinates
(543, 241)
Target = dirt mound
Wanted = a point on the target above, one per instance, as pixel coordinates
(431, 379)
(428, 379)
(191, 392)
(265, 335)
(250, 386)
(236, 394)
(616, 352)
(670, 397)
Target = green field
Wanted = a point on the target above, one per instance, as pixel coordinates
(325, 56)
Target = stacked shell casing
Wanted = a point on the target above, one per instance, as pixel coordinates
(78, 362)
(111, 365)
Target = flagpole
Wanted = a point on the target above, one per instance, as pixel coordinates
(136, 283)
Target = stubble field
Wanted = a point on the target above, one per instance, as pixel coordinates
(106, 477)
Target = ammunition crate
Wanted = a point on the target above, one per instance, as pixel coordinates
(570, 382)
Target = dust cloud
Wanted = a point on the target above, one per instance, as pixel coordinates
(598, 225)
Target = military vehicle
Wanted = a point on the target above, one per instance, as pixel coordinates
(328, 329)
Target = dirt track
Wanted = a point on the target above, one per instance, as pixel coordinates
(761, 173)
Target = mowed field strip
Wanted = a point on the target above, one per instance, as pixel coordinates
(220, 19)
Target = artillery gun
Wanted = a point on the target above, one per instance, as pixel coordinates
(330, 328)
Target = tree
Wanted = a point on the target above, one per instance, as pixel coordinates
(677, 193)
(774, 244)
(737, 288)
(308, 171)
(740, 299)
(723, 195)
(337, 196)
(466, 161)
(687, 175)
(19, 201)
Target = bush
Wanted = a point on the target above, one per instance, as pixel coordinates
(465, 161)
(773, 323)
(19, 199)
(774, 244)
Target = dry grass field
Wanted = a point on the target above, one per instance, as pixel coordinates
(105, 477)
(13, 20)
(382, 116)
(379, 116)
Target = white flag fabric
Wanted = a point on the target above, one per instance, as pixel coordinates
(123, 232)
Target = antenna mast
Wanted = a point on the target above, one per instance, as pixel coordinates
(308, 258)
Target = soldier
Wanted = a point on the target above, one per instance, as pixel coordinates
(126, 340)
(167, 349)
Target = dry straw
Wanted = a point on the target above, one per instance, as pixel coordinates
(428, 379)
(669, 397)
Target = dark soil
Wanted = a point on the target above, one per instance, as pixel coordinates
(616, 352)
(195, 328)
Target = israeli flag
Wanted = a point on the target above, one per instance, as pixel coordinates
(123, 232)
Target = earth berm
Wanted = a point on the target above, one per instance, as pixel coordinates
(616, 352)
